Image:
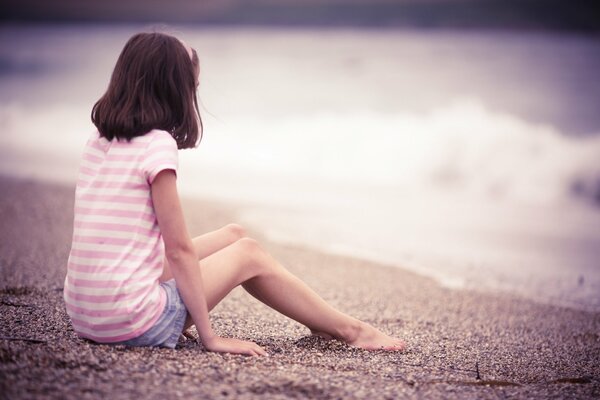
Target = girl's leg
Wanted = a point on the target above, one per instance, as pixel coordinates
(210, 243)
(245, 262)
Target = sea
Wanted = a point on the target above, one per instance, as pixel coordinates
(472, 157)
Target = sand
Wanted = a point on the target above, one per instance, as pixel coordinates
(460, 343)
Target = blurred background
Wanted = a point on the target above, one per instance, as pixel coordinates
(457, 138)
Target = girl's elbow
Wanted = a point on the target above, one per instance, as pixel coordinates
(180, 254)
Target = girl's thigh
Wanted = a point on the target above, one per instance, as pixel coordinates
(212, 242)
(226, 269)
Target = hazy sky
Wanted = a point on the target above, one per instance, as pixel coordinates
(580, 15)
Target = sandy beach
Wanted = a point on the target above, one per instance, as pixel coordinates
(461, 344)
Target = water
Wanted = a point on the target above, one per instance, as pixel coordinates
(468, 157)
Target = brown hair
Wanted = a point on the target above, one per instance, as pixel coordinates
(153, 86)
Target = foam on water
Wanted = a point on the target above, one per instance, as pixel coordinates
(462, 147)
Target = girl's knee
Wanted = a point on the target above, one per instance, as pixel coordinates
(255, 258)
(235, 231)
(249, 247)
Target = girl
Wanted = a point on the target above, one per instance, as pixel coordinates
(135, 277)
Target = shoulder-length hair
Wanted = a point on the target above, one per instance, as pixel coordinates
(153, 86)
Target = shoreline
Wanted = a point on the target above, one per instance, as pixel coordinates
(516, 347)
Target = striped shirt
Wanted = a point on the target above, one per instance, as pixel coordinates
(111, 289)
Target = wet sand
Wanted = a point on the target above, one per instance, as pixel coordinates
(460, 343)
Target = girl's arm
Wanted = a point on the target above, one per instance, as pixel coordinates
(182, 258)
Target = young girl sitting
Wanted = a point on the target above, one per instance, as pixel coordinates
(135, 277)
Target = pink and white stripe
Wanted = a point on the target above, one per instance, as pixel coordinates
(111, 289)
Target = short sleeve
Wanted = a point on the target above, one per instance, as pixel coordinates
(161, 154)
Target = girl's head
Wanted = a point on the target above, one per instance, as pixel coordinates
(153, 86)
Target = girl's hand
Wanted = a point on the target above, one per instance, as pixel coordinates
(235, 346)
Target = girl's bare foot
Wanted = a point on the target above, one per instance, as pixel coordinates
(368, 337)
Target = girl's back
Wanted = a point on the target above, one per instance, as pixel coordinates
(111, 289)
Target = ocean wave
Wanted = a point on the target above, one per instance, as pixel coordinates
(462, 148)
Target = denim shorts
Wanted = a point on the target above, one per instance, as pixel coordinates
(166, 330)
